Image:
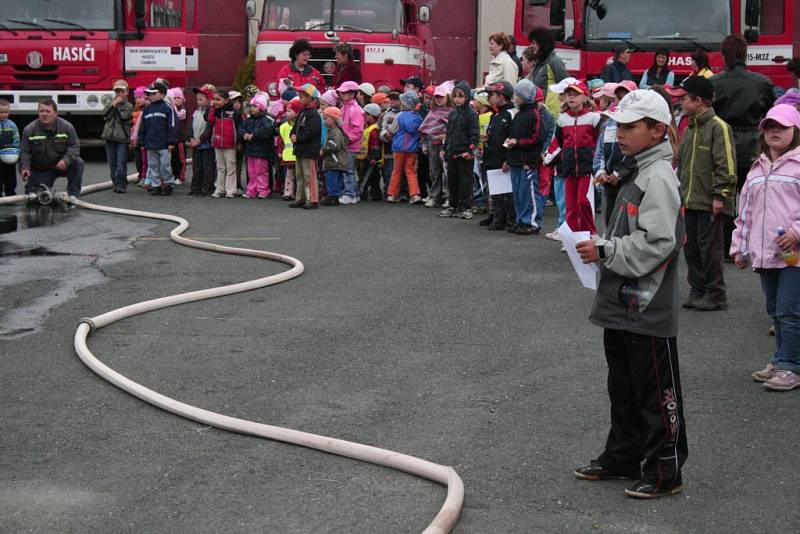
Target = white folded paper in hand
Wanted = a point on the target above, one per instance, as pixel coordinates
(499, 182)
(587, 272)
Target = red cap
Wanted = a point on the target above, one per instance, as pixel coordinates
(296, 106)
(674, 92)
(430, 90)
(578, 86)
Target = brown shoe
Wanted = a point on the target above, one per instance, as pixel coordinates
(691, 302)
(709, 303)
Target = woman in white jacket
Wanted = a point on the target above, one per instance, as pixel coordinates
(502, 67)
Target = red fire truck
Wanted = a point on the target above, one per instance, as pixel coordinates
(73, 50)
(588, 30)
(390, 38)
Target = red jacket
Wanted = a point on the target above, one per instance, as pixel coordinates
(577, 136)
(347, 73)
(224, 123)
(299, 78)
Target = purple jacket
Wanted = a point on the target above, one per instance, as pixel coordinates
(770, 198)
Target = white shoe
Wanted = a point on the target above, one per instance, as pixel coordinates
(563, 248)
(239, 192)
(391, 198)
(426, 199)
(229, 195)
(446, 204)
(415, 200)
(178, 182)
(555, 236)
(346, 200)
(216, 194)
(430, 203)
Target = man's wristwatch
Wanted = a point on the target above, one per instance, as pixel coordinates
(601, 251)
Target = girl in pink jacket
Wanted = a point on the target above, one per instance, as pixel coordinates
(767, 235)
(353, 127)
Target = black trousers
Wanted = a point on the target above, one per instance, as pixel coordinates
(459, 182)
(647, 422)
(204, 171)
(503, 213)
(703, 253)
(8, 180)
(741, 177)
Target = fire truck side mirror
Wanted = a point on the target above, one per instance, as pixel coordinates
(140, 12)
(752, 13)
(424, 14)
(250, 8)
(557, 12)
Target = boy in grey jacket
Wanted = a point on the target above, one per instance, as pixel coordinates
(118, 115)
(636, 304)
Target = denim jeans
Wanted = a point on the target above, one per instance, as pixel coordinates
(73, 173)
(159, 167)
(117, 156)
(332, 180)
(782, 292)
(350, 184)
(558, 194)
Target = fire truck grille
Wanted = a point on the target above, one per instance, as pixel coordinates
(36, 77)
(43, 68)
(321, 56)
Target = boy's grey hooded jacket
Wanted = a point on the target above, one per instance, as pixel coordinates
(638, 289)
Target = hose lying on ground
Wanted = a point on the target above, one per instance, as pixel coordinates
(445, 475)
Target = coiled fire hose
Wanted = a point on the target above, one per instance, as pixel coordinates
(448, 514)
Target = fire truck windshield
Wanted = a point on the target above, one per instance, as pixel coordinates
(350, 15)
(34, 14)
(678, 24)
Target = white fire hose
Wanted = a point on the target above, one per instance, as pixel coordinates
(448, 514)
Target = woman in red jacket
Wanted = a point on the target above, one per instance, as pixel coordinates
(346, 69)
(298, 72)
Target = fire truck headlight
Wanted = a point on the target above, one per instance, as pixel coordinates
(92, 100)
(272, 89)
(3, 58)
(106, 100)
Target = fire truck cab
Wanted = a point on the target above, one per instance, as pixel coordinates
(73, 50)
(587, 31)
(390, 38)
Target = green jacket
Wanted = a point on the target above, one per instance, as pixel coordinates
(335, 151)
(119, 120)
(707, 167)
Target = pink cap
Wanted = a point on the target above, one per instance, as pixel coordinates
(629, 85)
(330, 97)
(606, 90)
(139, 91)
(260, 101)
(783, 114)
(347, 87)
(175, 92)
(444, 89)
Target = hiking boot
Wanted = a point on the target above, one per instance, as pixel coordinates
(764, 374)
(447, 212)
(649, 490)
(596, 471)
(783, 380)
(487, 221)
(297, 204)
(710, 303)
(691, 302)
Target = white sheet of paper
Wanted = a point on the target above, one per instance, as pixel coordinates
(590, 194)
(499, 182)
(587, 272)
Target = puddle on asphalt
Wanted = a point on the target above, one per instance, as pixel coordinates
(33, 216)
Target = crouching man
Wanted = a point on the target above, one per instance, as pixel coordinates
(50, 149)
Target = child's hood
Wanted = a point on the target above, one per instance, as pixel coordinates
(464, 86)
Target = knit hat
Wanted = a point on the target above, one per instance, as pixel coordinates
(288, 95)
(791, 97)
(333, 112)
(372, 109)
(330, 97)
(310, 90)
(139, 91)
(176, 92)
(525, 90)
(379, 98)
(260, 101)
(409, 100)
(296, 106)
(699, 86)
(367, 88)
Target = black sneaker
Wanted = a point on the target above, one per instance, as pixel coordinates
(329, 201)
(487, 221)
(527, 229)
(512, 228)
(649, 490)
(166, 190)
(296, 204)
(311, 206)
(155, 191)
(496, 226)
(597, 471)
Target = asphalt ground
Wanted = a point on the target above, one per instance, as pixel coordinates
(430, 337)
